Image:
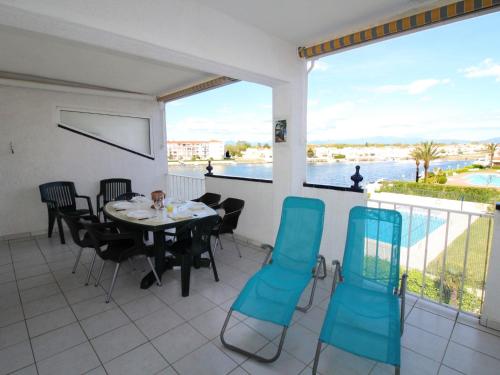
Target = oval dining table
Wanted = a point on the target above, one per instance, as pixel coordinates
(160, 220)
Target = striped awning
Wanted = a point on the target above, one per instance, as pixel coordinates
(444, 13)
(196, 89)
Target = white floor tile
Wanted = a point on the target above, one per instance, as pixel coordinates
(13, 334)
(192, 306)
(430, 322)
(334, 361)
(93, 306)
(411, 364)
(9, 315)
(57, 341)
(76, 360)
(143, 306)
(159, 322)
(218, 292)
(470, 362)
(477, 340)
(35, 281)
(83, 293)
(300, 343)
(28, 370)
(112, 344)
(207, 360)
(209, 324)
(178, 342)
(285, 364)
(144, 359)
(424, 343)
(45, 305)
(104, 322)
(244, 337)
(49, 321)
(15, 357)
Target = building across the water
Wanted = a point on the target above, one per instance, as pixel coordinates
(189, 150)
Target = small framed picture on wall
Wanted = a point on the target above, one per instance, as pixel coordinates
(280, 131)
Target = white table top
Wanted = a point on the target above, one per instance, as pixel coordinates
(182, 211)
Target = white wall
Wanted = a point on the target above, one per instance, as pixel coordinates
(183, 32)
(43, 153)
(256, 221)
(338, 204)
(491, 308)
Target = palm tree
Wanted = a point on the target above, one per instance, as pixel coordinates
(417, 156)
(428, 152)
(490, 149)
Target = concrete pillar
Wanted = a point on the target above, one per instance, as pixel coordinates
(491, 308)
(289, 158)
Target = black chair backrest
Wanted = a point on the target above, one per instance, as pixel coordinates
(127, 196)
(232, 210)
(113, 187)
(201, 230)
(210, 199)
(61, 192)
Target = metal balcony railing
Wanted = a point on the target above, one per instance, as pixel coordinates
(185, 187)
(445, 253)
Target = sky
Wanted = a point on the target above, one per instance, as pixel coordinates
(441, 84)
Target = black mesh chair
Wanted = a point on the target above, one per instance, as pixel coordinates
(120, 246)
(188, 249)
(110, 189)
(232, 209)
(210, 199)
(60, 197)
(81, 237)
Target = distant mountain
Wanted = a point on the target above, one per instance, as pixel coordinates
(396, 140)
(492, 140)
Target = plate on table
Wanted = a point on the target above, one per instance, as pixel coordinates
(196, 206)
(141, 214)
(122, 205)
(140, 199)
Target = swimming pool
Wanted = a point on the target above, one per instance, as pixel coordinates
(484, 179)
(418, 229)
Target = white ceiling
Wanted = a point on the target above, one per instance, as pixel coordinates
(39, 55)
(306, 22)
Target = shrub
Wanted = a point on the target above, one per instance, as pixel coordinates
(467, 193)
(339, 156)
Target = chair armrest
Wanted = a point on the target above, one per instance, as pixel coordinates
(269, 250)
(337, 275)
(402, 295)
(89, 202)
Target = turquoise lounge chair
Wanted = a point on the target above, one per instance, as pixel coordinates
(364, 315)
(272, 294)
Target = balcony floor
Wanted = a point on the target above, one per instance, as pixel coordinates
(50, 323)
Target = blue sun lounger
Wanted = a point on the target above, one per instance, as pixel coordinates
(272, 294)
(364, 315)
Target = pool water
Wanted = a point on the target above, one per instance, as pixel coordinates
(418, 229)
(484, 179)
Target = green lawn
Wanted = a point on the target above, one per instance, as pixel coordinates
(479, 244)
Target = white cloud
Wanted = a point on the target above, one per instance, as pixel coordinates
(486, 68)
(225, 126)
(351, 121)
(321, 66)
(413, 88)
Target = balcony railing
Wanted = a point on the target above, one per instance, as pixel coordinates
(445, 253)
(185, 187)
